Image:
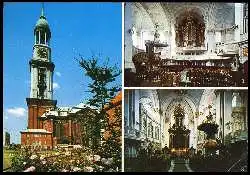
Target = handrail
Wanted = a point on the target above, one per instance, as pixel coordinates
(234, 165)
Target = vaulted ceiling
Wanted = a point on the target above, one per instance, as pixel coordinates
(146, 15)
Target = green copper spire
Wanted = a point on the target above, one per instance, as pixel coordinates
(42, 23)
(42, 13)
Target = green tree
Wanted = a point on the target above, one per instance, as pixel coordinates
(102, 92)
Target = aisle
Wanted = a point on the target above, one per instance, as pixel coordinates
(179, 165)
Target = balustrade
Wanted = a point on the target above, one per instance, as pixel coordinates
(226, 48)
(166, 72)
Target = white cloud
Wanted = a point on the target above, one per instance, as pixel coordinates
(58, 74)
(5, 116)
(56, 86)
(16, 112)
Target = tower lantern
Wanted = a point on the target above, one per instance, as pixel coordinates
(42, 31)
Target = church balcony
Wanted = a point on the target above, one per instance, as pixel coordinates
(132, 133)
(202, 57)
(191, 49)
(244, 37)
(227, 49)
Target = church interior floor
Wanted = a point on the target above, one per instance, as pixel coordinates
(179, 165)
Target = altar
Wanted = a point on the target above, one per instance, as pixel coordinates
(179, 134)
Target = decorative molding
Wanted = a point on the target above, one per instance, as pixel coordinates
(38, 63)
(41, 102)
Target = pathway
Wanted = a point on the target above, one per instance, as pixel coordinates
(180, 165)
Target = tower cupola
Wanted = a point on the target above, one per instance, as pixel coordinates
(42, 31)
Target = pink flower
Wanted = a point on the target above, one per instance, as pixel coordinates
(76, 169)
(64, 170)
(104, 160)
(90, 158)
(97, 158)
(30, 169)
(33, 157)
(89, 169)
(42, 157)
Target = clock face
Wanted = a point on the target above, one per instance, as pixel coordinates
(42, 53)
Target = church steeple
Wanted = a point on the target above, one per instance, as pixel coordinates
(41, 66)
(41, 72)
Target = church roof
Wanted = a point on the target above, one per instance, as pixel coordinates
(65, 111)
(42, 23)
(36, 131)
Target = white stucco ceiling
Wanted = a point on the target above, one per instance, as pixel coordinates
(146, 15)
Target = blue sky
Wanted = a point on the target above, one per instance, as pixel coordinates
(77, 28)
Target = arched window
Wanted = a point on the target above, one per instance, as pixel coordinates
(42, 37)
(236, 101)
(37, 37)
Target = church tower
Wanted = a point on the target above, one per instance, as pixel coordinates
(41, 69)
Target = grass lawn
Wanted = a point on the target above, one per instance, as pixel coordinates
(6, 158)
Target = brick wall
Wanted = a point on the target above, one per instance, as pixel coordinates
(34, 112)
(43, 139)
(72, 129)
(36, 108)
(48, 125)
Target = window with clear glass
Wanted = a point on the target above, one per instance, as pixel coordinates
(42, 38)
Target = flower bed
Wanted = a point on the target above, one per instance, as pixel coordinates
(74, 160)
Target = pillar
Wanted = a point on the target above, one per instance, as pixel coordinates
(227, 109)
(39, 36)
(128, 36)
(221, 97)
(136, 109)
(45, 39)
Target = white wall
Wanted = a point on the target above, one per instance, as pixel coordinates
(238, 21)
(128, 36)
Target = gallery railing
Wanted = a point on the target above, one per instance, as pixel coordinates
(131, 132)
(154, 71)
(226, 49)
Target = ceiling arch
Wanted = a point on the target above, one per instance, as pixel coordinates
(141, 19)
(207, 98)
(186, 102)
(157, 14)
